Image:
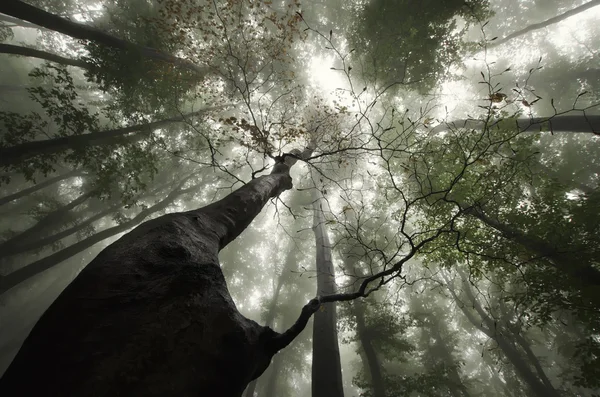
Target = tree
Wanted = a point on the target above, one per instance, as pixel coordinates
(326, 366)
(544, 24)
(220, 335)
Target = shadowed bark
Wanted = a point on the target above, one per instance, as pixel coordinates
(578, 123)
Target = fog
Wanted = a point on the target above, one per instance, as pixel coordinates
(445, 161)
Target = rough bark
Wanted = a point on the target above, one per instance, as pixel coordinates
(326, 365)
(19, 153)
(573, 123)
(544, 24)
(21, 10)
(152, 316)
(32, 53)
(584, 272)
(38, 186)
(488, 326)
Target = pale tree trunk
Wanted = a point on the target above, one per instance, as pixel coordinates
(33, 53)
(583, 272)
(49, 222)
(326, 365)
(21, 10)
(152, 316)
(544, 24)
(24, 151)
(490, 327)
(370, 360)
(38, 186)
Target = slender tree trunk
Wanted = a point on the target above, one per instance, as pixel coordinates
(21, 10)
(456, 386)
(544, 24)
(370, 355)
(584, 272)
(50, 221)
(38, 186)
(42, 242)
(19, 153)
(32, 53)
(152, 316)
(579, 123)
(326, 365)
(491, 329)
(17, 22)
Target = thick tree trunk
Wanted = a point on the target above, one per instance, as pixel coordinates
(16, 154)
(584, 272)
(21, 10)
(17, 22)
(326, 366)
(579, 123)
(270, 389)
(30, 52)
(38, 186)
(152, 316)
(544, 24)
(491, 329)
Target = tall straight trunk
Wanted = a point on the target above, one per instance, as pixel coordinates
(584, 272)
(21, 10)
(39, 186)
(544, 24)
(32, 53)
(579, 123)
(19, 153)
(151, 314)
(326, 365)
(50, 221)
(488, 326)
(370, 361)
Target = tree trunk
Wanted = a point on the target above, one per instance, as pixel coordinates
(584, 272)
(38, 186)
(30, 52)
(326, 366)
(21, 10)
(151, 314)
(582, 123)
(52, 220)
(270, 389)
(18, 22)
(370, 355)
(544, 24)
(491, 329)
(42, 242)
(19, 153)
